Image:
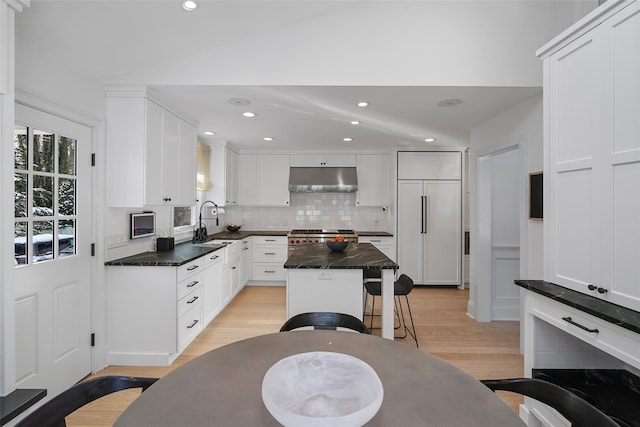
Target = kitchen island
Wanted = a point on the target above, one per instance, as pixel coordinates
(321, 280)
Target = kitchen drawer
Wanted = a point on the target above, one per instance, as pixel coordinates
(270, 254)
(189, 285)
(269, 271)
(611, 339)
(212, 258)
(270, 240)
(189, 301)
(189, 268)
(189, 326)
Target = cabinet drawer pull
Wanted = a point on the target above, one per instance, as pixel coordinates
(269, 240)
(215, 257)
(269, 271)
(592, 287)
(193, 267)
(233, 268)
(568, 320)
(375, 241)
(602, 290)
(195, 322)
(192, 300)
(269, 253)
(245, 249)
(192, 284)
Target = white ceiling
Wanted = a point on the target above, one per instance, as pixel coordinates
(104, 40)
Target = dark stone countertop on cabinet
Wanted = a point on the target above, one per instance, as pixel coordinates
(241, 234)
(374, 233)
(613, 313)
(180, 255)
(355, 256)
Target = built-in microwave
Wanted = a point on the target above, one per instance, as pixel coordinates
(142, 224)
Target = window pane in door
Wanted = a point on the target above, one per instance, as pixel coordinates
(21, 196)
(67, 156)
(20, 148)
(66, 196)
(67, 237)
(42, 241)
(20, 243)
(43, 151)
(42, 195)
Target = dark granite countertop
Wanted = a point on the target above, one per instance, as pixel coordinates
(374, 233)
(241, 234)
(181, 254)
(616, 314)
(359, 256)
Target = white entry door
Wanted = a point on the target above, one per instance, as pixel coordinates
(52, 162)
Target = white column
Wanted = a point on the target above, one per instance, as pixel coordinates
(388, 279)
(7, 114)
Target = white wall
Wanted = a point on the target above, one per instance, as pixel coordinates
(520, 126)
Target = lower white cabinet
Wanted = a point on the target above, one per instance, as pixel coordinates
(269, 255)
(212, 286)
(153, 312)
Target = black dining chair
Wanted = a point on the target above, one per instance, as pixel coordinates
(54, 412)
(575, 409)
(325, 320)
(402, 287)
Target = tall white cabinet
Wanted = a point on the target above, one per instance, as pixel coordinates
(430, 217)
(592, 145)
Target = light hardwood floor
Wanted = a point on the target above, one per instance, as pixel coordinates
(484, 350)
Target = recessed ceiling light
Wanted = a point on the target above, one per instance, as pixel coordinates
(268, 138)
(347, 139)
(429, 140)
(209, 132)
(363, 104)
(450, 102)
(249, 114)
(239, 101)
(355, 122)
(189, 5)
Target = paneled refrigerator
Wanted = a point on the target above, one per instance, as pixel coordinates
(430, 225)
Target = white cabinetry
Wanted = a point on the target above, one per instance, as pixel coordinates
(154, 312)
(328, 160)
(151, 153)
(269, 255)
(263, 180)
(212, 286)
(224, 175)
(384, 244)
(430, 218)
(246, 258)
(373, 180)
(592, 149)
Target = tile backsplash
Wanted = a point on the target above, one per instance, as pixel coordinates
(312, 210)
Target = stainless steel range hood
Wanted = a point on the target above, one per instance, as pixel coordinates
(323, 180)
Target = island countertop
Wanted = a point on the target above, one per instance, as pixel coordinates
(361, 256)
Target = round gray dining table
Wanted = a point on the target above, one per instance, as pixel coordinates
(224, 386)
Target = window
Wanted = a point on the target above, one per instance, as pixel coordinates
(44, 195)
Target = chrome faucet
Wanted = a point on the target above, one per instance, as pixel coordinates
(201, 232)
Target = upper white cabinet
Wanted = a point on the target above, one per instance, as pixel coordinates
(320, 160)
(224, 176)
(374, 179)
(151, 153)
(264, 179)
(429, 165)
(592, 148)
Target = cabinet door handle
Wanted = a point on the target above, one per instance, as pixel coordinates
(592, 287)
(269, 271)
(269, 253)
(192, 284)
(192, 300)
(245, 249)
(602, 290)
(233, 268)
(568, 320)
(195, 322)
(193, 267)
